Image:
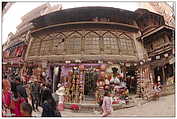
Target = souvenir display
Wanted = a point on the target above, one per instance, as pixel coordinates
(103, 67)
(81, 67)
(74, 88)
(145, 84)
(113, 84)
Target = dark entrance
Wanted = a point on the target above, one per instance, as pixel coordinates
(158, 71)
(90, 84)
(131, 81)
(169, 70)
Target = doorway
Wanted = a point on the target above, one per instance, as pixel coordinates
(158, 71)
(131, 81)
(90, 84)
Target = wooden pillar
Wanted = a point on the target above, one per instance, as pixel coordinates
(101, 44)
(82, 45)
(65, 46)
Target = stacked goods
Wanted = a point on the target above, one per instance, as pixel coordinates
(114, 85)
(74, 85)
(138, 91)
(146, 84)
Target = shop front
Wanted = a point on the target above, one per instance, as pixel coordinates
(87, 82)
(13, 59)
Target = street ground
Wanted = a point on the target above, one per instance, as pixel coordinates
(164, 107)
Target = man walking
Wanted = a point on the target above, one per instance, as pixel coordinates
(35, 88)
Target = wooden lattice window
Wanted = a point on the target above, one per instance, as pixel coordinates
(126, 45)
(58, 44)
(34, 47)
(110, 43)
(46, 45)
(92, 43)
(74, 43)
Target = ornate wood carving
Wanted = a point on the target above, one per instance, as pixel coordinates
(89, 42)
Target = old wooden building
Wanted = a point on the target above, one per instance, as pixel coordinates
(88, 33)
(89, 37)
(158, 40)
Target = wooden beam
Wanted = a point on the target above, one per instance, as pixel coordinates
(87, 22)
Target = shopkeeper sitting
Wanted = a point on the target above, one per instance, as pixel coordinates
(115, 79)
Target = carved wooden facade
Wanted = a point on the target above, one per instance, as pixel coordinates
(82, 42)
(158, 44)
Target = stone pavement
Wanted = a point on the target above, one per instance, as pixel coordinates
(165, 106)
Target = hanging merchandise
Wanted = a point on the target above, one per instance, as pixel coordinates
(81, 67)
(74, 86)
(146, 84)
(56, 69)
(103, 67)
(158, 78)
(102, 75)
(107, 82)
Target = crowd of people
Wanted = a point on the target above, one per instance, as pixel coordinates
(20, 100)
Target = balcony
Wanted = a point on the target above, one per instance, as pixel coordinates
(161, 49)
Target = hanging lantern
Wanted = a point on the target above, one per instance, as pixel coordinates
(127, 64)
(157, 57)
(149, 59)
(81, 67)
(110, 62)
(135, 64)
(100, 62)
(78, 61)
(166, 55)
(67, 62)
(158, 78)
(102, 67)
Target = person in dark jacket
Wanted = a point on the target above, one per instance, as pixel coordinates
(45, 87)
(13, 85)
(26, 109)
(21, 89)
(35, 88)
(49, 106)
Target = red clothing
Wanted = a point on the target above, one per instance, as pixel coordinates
(6, 98)
(16, 106)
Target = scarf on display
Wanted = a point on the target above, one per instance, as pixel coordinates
(115, 80)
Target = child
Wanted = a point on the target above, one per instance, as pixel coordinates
(26, 110)
(107, 104)
(157, 90)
